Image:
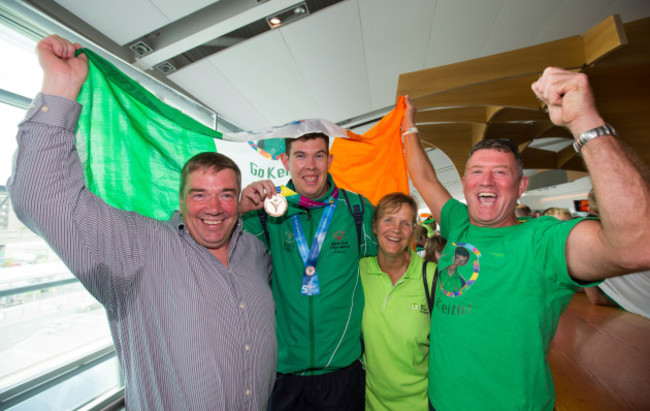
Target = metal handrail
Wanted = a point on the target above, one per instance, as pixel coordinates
(39, 286)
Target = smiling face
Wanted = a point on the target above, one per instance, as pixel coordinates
(394, 230)
(492, 187)
(308, 162)
(209, 204)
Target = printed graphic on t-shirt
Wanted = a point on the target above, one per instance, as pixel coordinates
(458, 269)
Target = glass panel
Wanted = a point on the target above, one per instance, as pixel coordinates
(47, 318)
(76, 391)
(20, 72)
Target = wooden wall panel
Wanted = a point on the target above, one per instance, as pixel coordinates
(511, 92)
(455, 140)
(568, 52)
(455, 115)
(510, 114)
(637, 49)
(604, 38)
(535, 158)
(491, 97)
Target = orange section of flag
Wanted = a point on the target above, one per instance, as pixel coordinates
(372, 164)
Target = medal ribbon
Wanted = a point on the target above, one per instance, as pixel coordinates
(301, 201)
(310, 282)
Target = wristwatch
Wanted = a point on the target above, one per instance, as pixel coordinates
(604, 130)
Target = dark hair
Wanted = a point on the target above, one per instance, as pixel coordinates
(420, 234)
(306, 137)
(391, 203)
(209, 161)
(500, 144)
(462, 252)
(435, 243)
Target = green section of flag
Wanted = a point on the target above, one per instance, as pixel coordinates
(133, 146)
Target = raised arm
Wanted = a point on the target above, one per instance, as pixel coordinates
(422, 173)
(63, 73)
(620, 243)
(47, 190)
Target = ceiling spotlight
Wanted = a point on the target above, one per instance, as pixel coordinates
(141, 48)
(287, 15)
(166, 67)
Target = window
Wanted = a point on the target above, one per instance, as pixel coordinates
(56, 350)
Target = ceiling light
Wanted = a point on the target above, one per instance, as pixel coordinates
(141, 48)
(287, 15)
(166, 67)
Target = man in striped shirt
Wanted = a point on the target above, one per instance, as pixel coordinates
(188, 300)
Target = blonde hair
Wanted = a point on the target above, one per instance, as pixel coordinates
(591, 197)
(559, 213)
(391, 203)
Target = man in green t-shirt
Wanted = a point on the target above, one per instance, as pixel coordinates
(492, 336)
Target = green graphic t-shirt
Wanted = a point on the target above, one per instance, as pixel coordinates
(490, 336)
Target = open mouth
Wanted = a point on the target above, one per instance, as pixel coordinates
(310, 179)
(212, 222)
(487, 198)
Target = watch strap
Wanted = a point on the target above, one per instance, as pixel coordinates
(604, 130)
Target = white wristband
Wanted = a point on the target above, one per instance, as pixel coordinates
(412, 130)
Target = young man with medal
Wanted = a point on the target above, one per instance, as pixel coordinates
(315, 248)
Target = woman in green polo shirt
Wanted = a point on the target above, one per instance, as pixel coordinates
(396, 321)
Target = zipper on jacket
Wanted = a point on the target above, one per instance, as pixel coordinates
(312, 349)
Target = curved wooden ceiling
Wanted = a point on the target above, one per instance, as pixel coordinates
(490, 97)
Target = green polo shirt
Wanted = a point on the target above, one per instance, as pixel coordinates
(395, 330)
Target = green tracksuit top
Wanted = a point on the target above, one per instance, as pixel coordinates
(320, 333)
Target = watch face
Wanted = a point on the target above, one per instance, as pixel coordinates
(276, 205)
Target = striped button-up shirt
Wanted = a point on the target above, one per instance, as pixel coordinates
(189, 332)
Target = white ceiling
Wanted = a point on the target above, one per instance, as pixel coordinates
(340, 63)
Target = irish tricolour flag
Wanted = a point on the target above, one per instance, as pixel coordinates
(133, 146)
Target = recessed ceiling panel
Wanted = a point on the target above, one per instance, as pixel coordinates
(120, 20)
(175, 9)
(517, 25)
(266, 74)
(459, 30)
(329, 51)
(396, 36)
(211, 87)
(569, 19)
